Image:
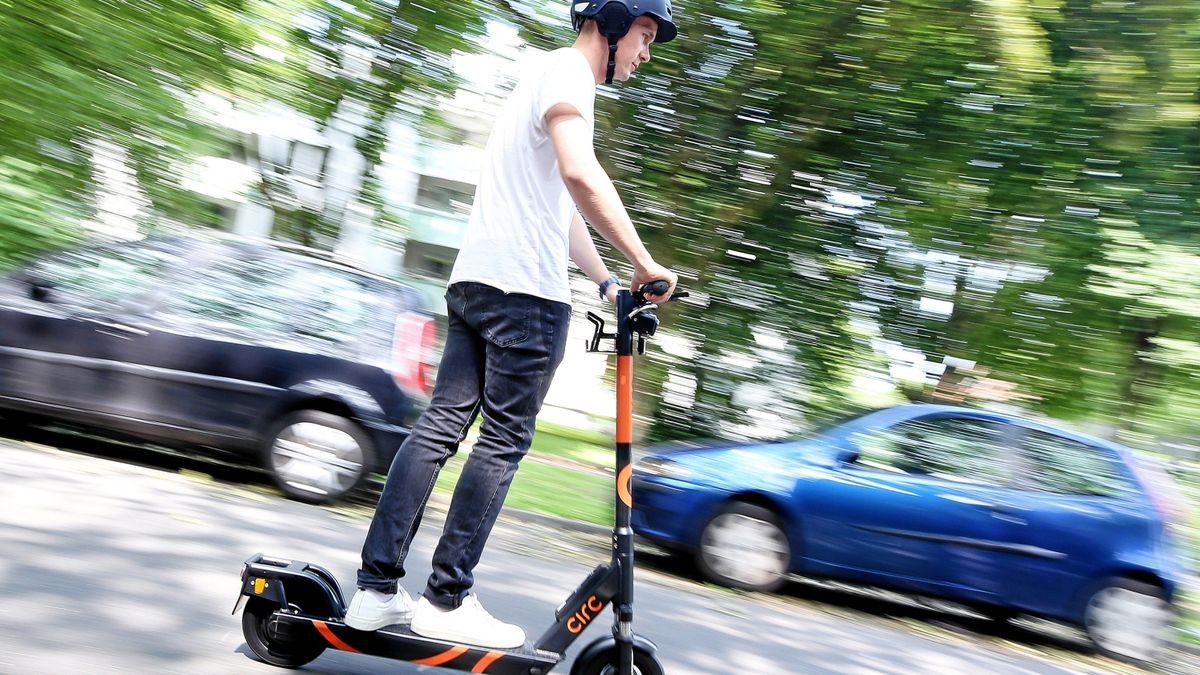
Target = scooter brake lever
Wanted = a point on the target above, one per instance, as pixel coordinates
(648, 307)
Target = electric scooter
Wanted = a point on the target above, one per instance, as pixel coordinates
(294, 610)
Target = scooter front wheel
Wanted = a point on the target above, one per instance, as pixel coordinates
(604, 662)
(282, 653)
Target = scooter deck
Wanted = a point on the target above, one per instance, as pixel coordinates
(398, 642)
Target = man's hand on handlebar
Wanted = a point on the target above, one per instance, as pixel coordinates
(654, 272)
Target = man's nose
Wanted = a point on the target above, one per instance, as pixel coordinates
(645, 55)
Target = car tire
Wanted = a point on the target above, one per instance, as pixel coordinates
(1128, 620)
(745, 546)
(318, 457)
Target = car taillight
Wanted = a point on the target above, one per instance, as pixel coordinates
(1167, 498)
(413, 343)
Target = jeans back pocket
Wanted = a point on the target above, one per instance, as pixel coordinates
(505, 317)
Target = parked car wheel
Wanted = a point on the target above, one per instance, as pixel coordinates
(318, 457)
(1128, 620)
(744, 546)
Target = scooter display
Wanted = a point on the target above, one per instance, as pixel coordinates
(294, 610)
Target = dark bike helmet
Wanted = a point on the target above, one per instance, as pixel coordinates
(614, 18)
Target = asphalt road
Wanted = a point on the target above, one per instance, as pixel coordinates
(116, 567)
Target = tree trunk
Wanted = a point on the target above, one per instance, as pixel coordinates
(1142, 372)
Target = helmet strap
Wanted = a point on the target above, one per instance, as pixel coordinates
(612, 58)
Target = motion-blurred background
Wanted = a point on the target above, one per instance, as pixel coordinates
(993, 203)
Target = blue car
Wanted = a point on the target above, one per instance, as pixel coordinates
(1003, 514)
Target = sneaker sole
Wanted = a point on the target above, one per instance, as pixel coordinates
(452, 636)
(357, 624)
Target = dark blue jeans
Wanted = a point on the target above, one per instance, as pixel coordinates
(501, 353)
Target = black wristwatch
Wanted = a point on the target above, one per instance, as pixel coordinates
(605, 284)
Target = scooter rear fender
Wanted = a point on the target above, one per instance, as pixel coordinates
(302, 586)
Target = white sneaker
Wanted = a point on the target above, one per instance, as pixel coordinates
(470, 624)
(371, 610)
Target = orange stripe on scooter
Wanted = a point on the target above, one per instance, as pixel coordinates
(487, 660)
(623, 480)
(624, 399)
(334, 640)
(444, 657)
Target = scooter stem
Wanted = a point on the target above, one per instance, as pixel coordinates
(623, 534)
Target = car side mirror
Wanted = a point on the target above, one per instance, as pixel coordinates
(41, 290)
(848, 455)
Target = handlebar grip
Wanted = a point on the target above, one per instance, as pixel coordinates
(655, 287)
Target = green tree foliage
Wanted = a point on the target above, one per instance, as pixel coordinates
(77, 72)
(126, 74)
(31, 220)
(955, 178)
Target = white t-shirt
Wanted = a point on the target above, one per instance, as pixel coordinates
(517, 237)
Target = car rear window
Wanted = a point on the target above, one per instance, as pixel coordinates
(337, 306)
(1064, 466)
(238, 296)
(285, 299)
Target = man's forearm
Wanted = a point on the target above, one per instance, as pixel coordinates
(599, 202)
(584, 253)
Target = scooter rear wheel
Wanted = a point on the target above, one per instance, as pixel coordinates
(281, 653)
(605, 663)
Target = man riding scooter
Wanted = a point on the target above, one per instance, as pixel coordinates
(508, 305)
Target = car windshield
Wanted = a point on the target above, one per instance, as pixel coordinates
(820, 427)
(825, 425)
(106, 275)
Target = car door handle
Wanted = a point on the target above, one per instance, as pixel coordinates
(1007, 514)
(119, 329)
(1009, 518)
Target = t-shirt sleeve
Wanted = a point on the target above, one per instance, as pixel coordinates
(566, 79)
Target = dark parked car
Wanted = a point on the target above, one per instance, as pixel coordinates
(1004, 514)
(310, 367)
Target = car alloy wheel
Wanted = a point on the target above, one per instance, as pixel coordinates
(745, 546)
(318, 457)
(1129, 620)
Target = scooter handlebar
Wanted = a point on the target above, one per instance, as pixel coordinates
(658, 288)
(655, 287)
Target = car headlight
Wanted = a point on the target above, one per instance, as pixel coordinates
(663, 468)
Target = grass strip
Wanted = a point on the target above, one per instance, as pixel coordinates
(548, 489)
